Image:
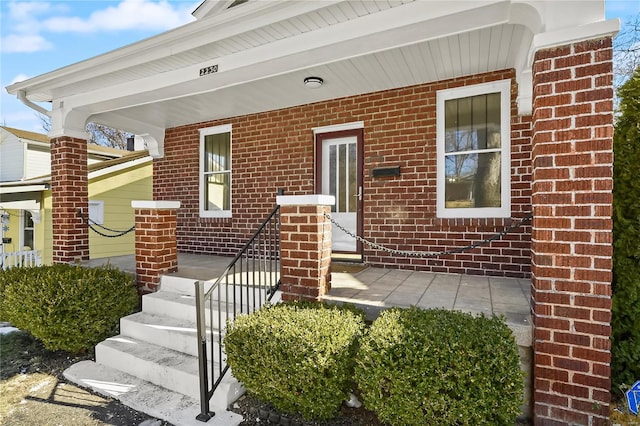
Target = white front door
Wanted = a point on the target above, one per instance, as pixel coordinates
(340, 177)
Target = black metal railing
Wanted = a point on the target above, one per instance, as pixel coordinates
(250, 280)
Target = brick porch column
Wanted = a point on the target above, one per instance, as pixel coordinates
(70, 199)
(572, 232)
(156, 246)
(305, 246)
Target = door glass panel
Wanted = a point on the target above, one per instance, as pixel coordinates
(353, 178)
(342, 178)
(332, 173)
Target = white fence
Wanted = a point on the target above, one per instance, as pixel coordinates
(21, 258)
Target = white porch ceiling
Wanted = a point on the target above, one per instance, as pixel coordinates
(264, 50)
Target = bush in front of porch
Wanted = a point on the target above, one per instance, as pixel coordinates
(423, 367)
(297, 356)
(625, 320)
(67, 307)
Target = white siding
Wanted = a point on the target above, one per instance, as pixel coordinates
(11, 157)
(38, 162)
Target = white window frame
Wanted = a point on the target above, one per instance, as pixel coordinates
(226, 128)
(24, 228)
(504, 88)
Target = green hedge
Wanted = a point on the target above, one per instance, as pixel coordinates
(625, 321)
(437, 367)
(67, 307)
(297, 356)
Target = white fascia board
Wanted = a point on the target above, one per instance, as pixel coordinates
(119, 167)
(22, 188)
(20, 205)
(338, 42)
(231, 23)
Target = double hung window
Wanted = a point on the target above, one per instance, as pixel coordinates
(215, 171)
(473, 151)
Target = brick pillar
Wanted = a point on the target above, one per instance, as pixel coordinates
(156, 246)
(571, 241)
(70, 199)
(305, 246)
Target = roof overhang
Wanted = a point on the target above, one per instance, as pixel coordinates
(255, 56)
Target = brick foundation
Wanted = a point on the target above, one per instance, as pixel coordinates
(156, 249)
(69, 188)
(572, 232)
(305, 246)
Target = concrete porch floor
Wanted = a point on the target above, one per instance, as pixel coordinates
(375, 289)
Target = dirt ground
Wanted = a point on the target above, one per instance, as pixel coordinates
(33, 391)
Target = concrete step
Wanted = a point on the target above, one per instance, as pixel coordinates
(163, 367)
(186, 286)
(182, 306)
(176, 334)
(143, 396)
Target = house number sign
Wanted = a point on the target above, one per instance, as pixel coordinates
(208, 70)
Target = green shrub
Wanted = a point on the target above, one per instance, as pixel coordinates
(67, 307)
(299, 357)
(625, 320)
(428, 367)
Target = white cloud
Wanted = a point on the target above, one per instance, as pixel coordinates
(126, 15)
(27, 10)
(19, 77)
(24, 43)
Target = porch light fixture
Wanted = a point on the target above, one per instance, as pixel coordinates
(313, 82)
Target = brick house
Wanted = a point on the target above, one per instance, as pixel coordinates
(434, 124)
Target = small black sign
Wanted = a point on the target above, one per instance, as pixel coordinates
(386, 171)
(209, 70)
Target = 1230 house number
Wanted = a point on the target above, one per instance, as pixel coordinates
(208, 70)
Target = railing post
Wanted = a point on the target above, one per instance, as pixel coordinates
(305, 246)
(205, 413)
(155, 242)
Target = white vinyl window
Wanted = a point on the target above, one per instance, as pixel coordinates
(473, 151)
(215, 171)
(27, 231)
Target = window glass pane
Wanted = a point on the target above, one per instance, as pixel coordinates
(217, 149)
(472, 123)
(217, 191)
(479, 121)
(342, 179)
(333, 171)
(473, 180)
(493, 121)
(353, 179)
(28, 231)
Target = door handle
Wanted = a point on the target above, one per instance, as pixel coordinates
(360, 193)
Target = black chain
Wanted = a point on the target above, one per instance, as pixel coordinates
(457, 250)
(118, 233)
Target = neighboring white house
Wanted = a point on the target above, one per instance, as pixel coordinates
(25, 196)
(25, 155)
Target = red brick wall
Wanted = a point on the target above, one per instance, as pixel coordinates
(306, 252)
(70, 199)
(572, 239)
(275, 149)
(156, 249)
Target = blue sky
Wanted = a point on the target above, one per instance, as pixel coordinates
(40, 36)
